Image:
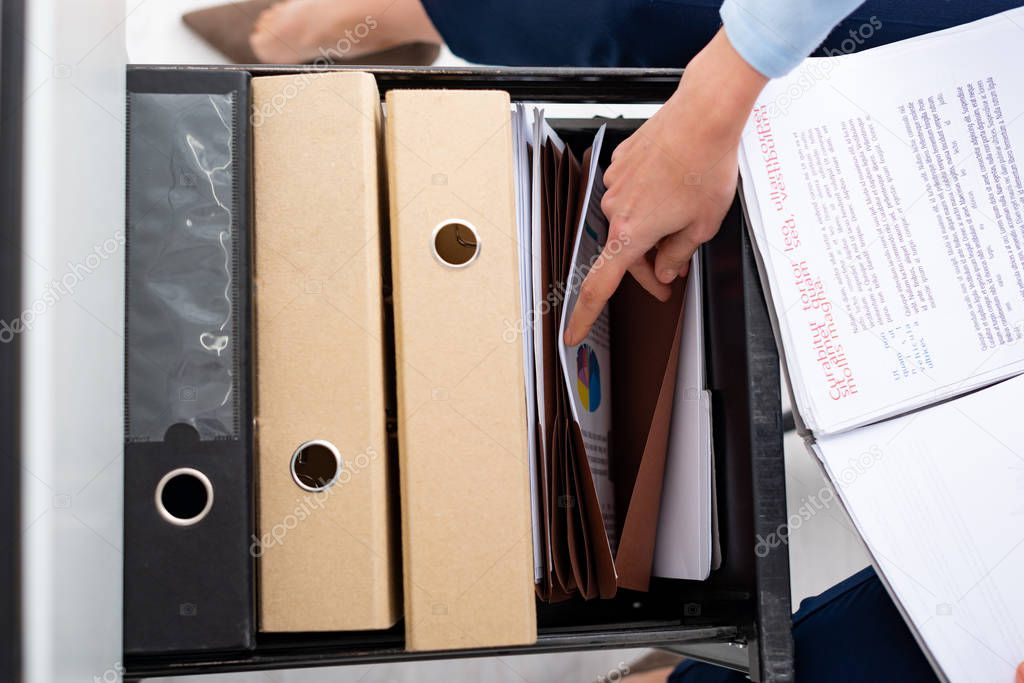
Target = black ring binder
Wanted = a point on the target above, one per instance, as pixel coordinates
(188, 574)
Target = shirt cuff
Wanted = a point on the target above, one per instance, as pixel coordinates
(757, 42)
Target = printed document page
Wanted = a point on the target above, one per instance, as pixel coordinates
(684, 548)
(522, 145)
(937, 497)
(885, 195)
(587, 365)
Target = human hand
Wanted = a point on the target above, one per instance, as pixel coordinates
(1020, 673)
(670, 184)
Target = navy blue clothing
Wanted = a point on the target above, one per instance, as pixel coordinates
(654, 33)
(851, 633)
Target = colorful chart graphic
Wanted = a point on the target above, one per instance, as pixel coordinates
(588, 377)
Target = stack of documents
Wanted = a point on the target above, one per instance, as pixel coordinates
(601, 413)
(888, 212)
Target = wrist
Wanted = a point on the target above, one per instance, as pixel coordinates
(720, 88)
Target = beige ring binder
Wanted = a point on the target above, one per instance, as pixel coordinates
(328, 557)
(463, 456)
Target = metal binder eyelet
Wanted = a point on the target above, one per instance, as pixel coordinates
(184, 496)
(316, 465)
(455, 243)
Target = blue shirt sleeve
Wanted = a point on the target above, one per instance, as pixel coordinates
(774, 36)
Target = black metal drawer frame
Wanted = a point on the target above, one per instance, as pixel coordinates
(741, 616)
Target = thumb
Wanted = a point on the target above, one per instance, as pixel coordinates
(1020, 673)
(674, 254)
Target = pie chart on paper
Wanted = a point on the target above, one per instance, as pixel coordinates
(588, 378)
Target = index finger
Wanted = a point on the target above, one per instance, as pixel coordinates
(599, 285)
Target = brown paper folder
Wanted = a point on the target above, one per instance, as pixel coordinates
(328, 560)
(644, 373)
(466, 531)
(645, 339)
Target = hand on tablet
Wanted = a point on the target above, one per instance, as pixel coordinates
(671, 183)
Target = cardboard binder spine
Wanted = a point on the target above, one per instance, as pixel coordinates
(188, 580)
(327, 515)
(466, 520)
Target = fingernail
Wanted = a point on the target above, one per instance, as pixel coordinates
(667, 276)
(570, 338)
